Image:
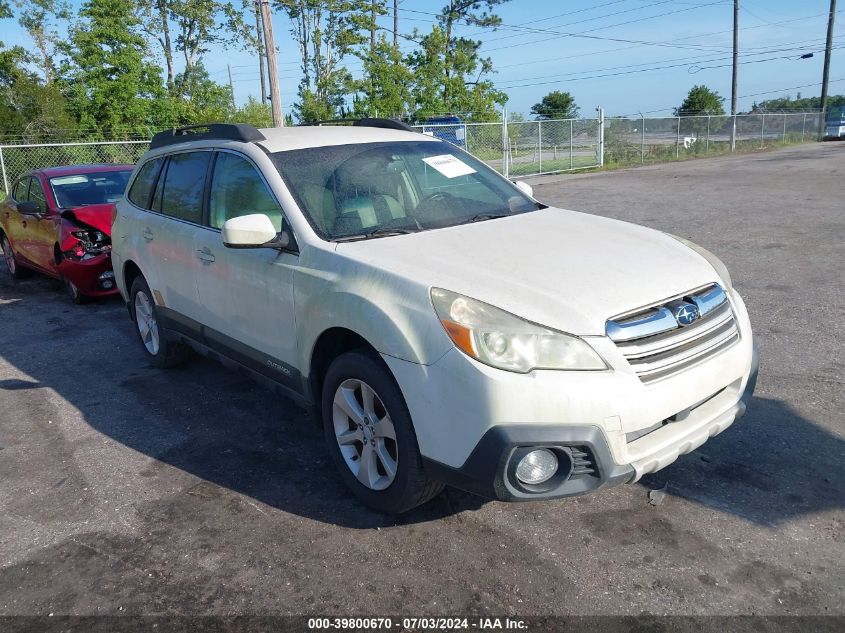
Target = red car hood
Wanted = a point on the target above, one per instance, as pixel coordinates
(98, 216)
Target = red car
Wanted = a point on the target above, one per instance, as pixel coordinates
(57, 221)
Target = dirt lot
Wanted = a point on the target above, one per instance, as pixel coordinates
(128, 490)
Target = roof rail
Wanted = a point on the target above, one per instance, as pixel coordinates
(214, 131)
(390, 124)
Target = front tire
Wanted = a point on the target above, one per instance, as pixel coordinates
(371, 436)
(73, 292)
(161, 352)
(10, 258)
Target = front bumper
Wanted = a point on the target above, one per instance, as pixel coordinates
(470, 418)
(92, 276)
(489, 470)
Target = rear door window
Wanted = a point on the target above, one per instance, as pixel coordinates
(142, 187)
(184, 182)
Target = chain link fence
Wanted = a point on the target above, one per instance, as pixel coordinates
(517, 148)
(19, 159)
(631, 141)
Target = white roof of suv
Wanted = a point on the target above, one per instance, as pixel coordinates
(301, 137)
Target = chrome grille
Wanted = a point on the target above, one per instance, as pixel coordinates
(656, 345)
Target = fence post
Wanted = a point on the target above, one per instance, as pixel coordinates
(762, 131)
(505, 169)
(3, 167)
(707, 143)
(570, 144)
(733, 135)
(642, 143)
(803, 127)
(601, 137)
(783, 140)
(678, 140)
(540, 141)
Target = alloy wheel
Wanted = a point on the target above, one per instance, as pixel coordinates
(365, 434)
(146, 321)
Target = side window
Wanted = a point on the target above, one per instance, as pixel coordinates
(183, 186)
(36, 194)
(20, 192)
(237, 189)
(142, 186)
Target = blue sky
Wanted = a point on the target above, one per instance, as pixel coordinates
(629, 56)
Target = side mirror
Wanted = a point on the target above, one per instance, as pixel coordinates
(28, 207)
(253, 231)
(525, 188)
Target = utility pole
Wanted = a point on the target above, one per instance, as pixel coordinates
(735, 80)
(395, 23)
(272, 70)
(259, 33)
(231, 86)
(826, 74)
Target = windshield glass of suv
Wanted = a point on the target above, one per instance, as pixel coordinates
(79, 190)
(372, 189)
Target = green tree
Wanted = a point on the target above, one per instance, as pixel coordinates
(325, 32)
(112, 83)
(433, 94)
(701, 100)
(478, 13)
(556, 105)
(386, 84)
(788, 104)
(30, 110)
(37, 17)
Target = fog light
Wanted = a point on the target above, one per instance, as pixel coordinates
(107, 285)
(537, 466)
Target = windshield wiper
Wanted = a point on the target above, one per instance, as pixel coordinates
(480, 217)
(382, 231)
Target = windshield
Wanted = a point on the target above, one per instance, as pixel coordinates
(80, 190)
(377, 189)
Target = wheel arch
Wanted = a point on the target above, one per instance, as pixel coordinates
(329, 345)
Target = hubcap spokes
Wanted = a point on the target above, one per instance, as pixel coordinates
(146, 321)
(365, 434)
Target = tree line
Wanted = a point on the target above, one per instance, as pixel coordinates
(110, 68)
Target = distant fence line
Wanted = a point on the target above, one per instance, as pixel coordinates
(514, 148)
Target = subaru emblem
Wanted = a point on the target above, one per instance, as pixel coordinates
(686, 313)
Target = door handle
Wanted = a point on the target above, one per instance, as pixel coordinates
(147, 234)
(205, 255)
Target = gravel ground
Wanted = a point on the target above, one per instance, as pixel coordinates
(128, 490)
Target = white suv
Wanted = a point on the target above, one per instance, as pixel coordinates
(445, 326)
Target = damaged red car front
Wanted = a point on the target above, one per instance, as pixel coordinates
(57, 221)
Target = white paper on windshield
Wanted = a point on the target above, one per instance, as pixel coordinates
(449, 165)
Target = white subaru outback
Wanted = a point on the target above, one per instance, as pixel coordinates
(446, 327)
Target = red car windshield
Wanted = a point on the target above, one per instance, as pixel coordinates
(79, 190)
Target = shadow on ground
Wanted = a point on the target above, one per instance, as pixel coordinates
(226, 430)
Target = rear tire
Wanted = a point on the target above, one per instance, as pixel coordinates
(161, 352)
(15, 269)
(371, 436)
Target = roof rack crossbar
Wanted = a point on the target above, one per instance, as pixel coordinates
(216, 131)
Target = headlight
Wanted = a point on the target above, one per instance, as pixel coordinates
(714, 261)
(500, 339)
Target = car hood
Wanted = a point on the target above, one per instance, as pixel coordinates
(98, 216)
(567, 270)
